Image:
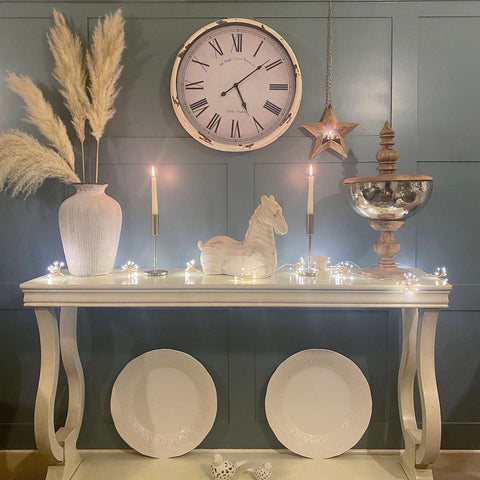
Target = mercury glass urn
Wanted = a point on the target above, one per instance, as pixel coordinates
(387, 199)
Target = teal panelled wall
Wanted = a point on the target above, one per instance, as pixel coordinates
(416, 64)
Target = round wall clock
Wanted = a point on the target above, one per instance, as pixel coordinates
(236, 85)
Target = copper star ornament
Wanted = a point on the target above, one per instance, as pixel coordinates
(329, 133)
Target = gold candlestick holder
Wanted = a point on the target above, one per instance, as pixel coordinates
(155, 272)
(310, 270)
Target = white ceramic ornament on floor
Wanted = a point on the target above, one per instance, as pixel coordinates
(256, 255)
(221, 468)
(261, 472)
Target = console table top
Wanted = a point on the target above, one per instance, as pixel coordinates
(283, 289)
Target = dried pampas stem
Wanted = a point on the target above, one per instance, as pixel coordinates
(103, 63)
(71, 72)
(40, 113)
(25, 164)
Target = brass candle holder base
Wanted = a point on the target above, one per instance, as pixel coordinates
(155, 272)
(310, 270)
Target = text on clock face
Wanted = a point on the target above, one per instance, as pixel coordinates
(236, 84)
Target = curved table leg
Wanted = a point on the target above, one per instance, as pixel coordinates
(418, 358)
(45, 437)
(429, 447)
(76, 389)
(61, 448)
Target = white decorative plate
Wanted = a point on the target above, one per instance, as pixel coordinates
(318, 403)
(163, 403)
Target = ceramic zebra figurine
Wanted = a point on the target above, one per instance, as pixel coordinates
(257, 254)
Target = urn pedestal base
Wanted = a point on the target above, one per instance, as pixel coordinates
(386, 247)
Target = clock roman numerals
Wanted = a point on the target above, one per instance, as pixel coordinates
(271, 107)
(216, 46)
(237, 41)
(202, 64)
(214, 122)
(258, 48)
(235, 129)
(195, 85)
(278, 86)
(258, 125)
(199, 106)
(274, 64)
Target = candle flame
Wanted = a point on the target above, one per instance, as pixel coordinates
(153, 172)
(310, 171)
(330, 134)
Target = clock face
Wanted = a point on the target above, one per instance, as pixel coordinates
(236, 85)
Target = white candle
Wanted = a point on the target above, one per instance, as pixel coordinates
(311, 179)
(154, 193)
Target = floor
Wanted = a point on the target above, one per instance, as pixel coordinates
(458, 466)
(353, 465)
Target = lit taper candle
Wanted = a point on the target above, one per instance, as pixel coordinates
(154, 204)
(311, 180)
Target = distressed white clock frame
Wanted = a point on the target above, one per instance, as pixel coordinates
(212, 143)
(419, 315)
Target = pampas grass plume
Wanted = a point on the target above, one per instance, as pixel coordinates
(71, 73)
(104, 69)
(25, 164)
(40, 114)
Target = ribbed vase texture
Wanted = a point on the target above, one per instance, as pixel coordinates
(90, 223)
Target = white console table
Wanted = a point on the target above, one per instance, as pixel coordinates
(420, 306)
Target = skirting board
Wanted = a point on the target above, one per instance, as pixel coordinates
(28, 465)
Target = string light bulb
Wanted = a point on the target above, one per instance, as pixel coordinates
(441, 274)
(55, 268)
(191, 266)
(410, 283)
(130, 267)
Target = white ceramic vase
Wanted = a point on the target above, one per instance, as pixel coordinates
(90, 222)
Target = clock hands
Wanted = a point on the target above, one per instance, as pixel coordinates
(244, 105)
(236, 84)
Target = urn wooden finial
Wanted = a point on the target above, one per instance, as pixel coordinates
(387, 157)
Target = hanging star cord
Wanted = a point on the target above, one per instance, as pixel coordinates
(329, 80)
